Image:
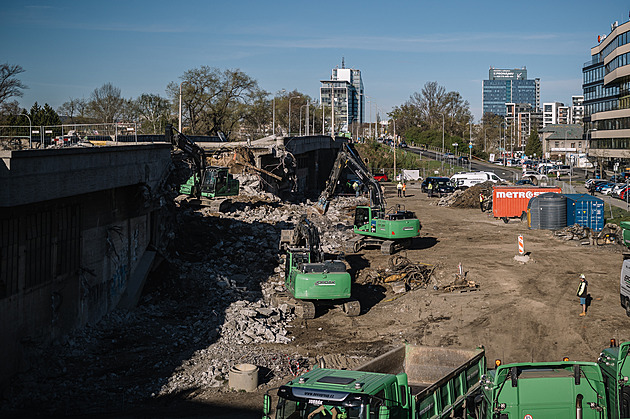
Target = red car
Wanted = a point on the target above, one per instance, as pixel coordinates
(381, 177)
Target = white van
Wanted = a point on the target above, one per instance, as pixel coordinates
(465, 180)
(624, 286)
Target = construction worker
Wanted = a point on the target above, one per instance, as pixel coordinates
(399, 188)
(355, 186)
(481, 198)
(582, 293)
(404, 190)
(430, 190)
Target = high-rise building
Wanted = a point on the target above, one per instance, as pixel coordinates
(509, 86)
(555, 113)
(345, 89)
(521, 119)
(577, 109)
(606, 85)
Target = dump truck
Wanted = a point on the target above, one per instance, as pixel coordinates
(417, 382)
(390, 228)
(407, 382)
(309, 278)
(544, 390)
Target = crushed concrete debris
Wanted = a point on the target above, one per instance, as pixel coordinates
(204, 310)
(573, 232)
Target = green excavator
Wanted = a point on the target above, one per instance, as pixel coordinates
(376, 225)
(209, 186)
(309, 278)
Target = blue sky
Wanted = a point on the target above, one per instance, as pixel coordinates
(69, 48)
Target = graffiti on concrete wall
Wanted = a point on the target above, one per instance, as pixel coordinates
(122, 251)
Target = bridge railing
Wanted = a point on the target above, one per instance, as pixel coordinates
(24, 137)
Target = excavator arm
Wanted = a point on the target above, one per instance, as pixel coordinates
(348, 157)
(188, 146)
(304, 235)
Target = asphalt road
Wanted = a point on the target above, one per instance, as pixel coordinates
(514, 173)
(508, 173)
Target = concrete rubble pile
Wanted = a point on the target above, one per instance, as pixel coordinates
(203, 311)
(573, 232)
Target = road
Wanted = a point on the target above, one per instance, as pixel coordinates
(508, 173)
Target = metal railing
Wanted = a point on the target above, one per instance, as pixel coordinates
(67, 135)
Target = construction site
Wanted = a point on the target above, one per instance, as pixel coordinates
(125, 297)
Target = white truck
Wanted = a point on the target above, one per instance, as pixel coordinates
(465, 180)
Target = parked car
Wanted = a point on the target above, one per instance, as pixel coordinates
(617, 189)
(525, 181)
(381, 177)
(608, 188)
(403, 144)
(605, 184)
(562, 169)
(441, 185)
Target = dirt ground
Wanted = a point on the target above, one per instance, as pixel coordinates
(520, 312)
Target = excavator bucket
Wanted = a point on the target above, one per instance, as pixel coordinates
(322, 206)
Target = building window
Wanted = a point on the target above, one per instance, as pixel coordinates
(572, 145)
(580, 145)
(557, 144)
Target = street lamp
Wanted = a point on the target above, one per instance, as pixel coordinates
(588, 146)
(30, 130)
(504, 126)
(274, 113)
(291, 98)
(301, 119)
(180, 105)
(442, 140)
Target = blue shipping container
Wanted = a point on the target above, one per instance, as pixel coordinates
(585, 210)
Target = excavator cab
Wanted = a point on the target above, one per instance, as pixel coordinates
(362, 216)
(218, 182)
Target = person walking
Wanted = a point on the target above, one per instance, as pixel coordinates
(399, 188)
(404, 190)
(582, 293)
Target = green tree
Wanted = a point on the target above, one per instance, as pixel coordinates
(45, 116)
(257, 115)
(213, 100)
(433, 108)
(533, 146)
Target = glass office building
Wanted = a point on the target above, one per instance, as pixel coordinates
(606, 86)
(345, 90)
(509, 86)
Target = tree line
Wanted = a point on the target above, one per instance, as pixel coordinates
(229, 101)
(212, 101)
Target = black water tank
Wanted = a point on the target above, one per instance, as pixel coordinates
(548, 211)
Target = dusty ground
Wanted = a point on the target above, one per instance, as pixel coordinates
(521, 312)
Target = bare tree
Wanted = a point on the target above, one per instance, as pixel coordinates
(10, 85)
(153, 112)
(106, 103)
(72, 108)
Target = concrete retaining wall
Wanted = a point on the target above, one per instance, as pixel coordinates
(67, 261)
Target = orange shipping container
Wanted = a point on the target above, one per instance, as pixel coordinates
(511, 201)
